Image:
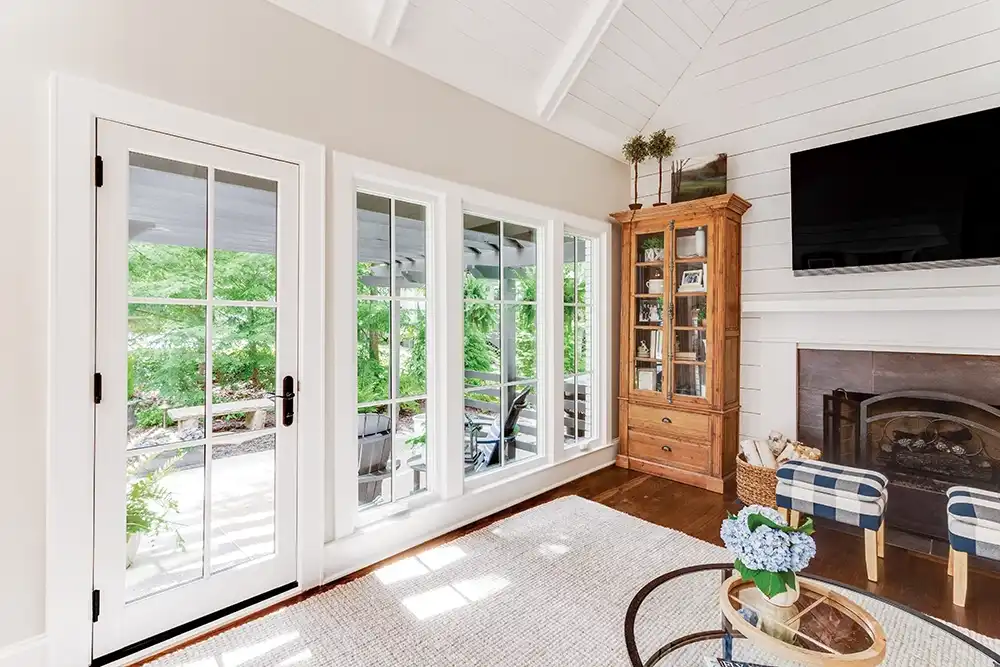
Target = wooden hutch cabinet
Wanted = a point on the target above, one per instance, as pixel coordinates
(679, 403)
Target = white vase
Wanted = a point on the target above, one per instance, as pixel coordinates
(699, 242)
(789, 597)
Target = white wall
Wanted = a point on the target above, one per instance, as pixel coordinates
(250, 61)
(784, 76)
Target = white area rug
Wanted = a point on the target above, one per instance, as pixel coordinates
(549, 586)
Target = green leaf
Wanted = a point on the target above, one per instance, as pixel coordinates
(770, 583)
(755, 521)
(745, 573)
(807, 526)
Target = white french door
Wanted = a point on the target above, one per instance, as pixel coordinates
(196, 448)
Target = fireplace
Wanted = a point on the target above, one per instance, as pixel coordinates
(923, 441)
(882, 416)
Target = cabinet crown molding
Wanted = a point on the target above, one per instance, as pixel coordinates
(730, 201)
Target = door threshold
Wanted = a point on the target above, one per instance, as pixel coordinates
(185, 628)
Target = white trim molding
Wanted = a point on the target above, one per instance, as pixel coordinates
(75, 105)
(30, 652)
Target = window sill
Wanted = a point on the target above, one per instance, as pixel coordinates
(374, 515)
(511, 471)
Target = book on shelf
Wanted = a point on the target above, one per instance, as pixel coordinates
(686, 356)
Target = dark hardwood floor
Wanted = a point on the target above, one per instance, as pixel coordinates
(917, 580)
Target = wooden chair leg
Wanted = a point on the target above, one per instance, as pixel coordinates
(784, 513)
(951, 561)
(793, 519)
(881, 540)
(871, 554)
(960, 582)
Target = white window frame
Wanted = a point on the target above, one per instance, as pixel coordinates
(543, 341)
(375, 512)
(584, 443)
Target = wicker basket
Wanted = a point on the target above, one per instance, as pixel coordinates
(755, 485)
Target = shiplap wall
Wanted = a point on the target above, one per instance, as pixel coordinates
(786, 75)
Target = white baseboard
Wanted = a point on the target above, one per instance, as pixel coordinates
(396, 534)
(30, 652)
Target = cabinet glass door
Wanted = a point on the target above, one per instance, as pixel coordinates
(648, 289)
(689, 355)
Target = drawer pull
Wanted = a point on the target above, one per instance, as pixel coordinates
(666, 448)
(667, 420)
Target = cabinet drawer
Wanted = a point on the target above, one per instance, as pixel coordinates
(686, 455)
(669, 422)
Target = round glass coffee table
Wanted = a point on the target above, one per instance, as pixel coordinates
(695, 615)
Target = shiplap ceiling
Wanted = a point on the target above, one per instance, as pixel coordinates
(593, 70)
(600, 70)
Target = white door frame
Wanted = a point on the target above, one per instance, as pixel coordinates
(75, 105)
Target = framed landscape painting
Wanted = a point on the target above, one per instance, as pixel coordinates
(697, 177)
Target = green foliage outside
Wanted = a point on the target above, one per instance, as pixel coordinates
(147, 502)
(167, 342)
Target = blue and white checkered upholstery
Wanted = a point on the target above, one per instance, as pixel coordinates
(974, 521)
(830, 491)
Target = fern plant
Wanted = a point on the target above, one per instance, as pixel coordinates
(148, 502)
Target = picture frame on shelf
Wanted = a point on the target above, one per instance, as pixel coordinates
(692, 280)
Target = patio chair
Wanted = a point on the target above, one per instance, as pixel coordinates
(374, 454)
(487, 450)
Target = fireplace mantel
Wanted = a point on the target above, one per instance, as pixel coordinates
(895, 300)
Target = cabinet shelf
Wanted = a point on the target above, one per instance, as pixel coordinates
(651, 326)
(660, 264)
(700, 293)
(691, 260)
(689, 328)
(685, 362)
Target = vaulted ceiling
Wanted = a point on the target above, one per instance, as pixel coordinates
(593, 70)
(598, 71)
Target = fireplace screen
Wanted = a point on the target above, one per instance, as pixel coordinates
(942, 438)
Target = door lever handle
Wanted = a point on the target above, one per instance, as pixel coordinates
(287, 397)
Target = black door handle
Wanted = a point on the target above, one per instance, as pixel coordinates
(287, 397)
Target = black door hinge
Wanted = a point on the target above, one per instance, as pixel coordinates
(95, 604)
(98, 171)
(98, 387)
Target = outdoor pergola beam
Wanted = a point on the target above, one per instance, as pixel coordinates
(575, 54)
(388, 18)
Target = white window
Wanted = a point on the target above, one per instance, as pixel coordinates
(391, 348)
(578, 339)
(501, 343)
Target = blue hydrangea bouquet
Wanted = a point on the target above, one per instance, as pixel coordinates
(767, 550)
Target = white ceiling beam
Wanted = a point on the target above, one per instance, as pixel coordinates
(388, 18)
(575, 54)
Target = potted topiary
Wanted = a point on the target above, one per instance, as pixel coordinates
(661, 146)
(635, 151)
(652, 249)
(147, 503)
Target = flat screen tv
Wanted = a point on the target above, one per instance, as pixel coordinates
(921, 197)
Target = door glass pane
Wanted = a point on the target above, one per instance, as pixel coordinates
(649, 312)
(410, 448)
(482, 344)
(166, 374)
(691, 242)
(691, 277)
(374, 455)
(689, 379)
(167, 228)
(520, 432)
(584, 418)
(648, 344)
(583, 271)
(649, 248)
(411, 249)
(519, 259)
(374, 250)
(691, 311)
(650, 280)
(243, 368)
(569, 340)
(520, 332)
(689, 345)
(482, 257)
(648, 375)
(245, 245)
(242, 499)
(374, 354)
(412, 356)
(483, 425)
(164, 520)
